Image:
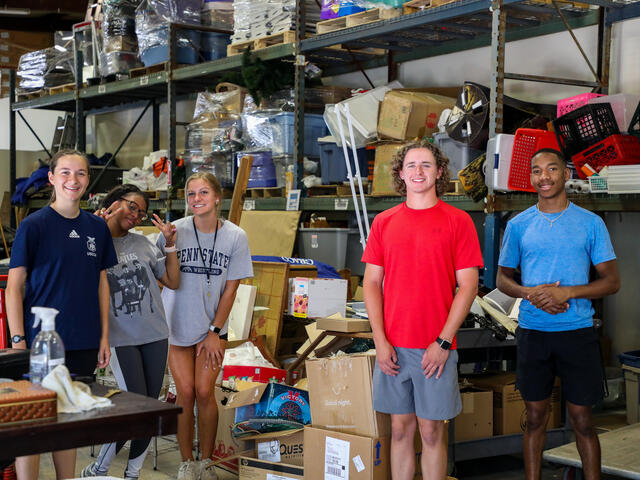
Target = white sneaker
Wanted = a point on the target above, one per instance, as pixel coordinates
(187, 471)
(89, 471)
(207, 470)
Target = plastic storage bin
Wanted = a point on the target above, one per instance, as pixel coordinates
(327, 245)
(283, 133)
(631, 370)
(184, 54)
(214, 45)
(581, 128)
(527, 141)
(623, 106)
(333, 166)
(499, 151)
(263, 170)
(567, 105)
(459, 154)
(613, 150)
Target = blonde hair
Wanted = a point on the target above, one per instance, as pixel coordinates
(53, 163)
(442, 163)
(213, 183)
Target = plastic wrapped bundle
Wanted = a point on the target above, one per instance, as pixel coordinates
(152, 19)
(45, 69)
(259, 18)
(119, 26)
(219, 164)
(218, 14)
(118, 62)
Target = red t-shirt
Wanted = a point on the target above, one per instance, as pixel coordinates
(420, 251)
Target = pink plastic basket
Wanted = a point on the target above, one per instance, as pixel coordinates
(566, 105)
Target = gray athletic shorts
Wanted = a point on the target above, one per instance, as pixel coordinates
(412, 392)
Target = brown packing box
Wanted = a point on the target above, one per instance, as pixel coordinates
(36, 40)
(282, 447)
(410, 114)
(341, 397)
(334, 452)
(254, 469)
(476, 419)
(509, 414)
(24, 402)
(226, 445)
(382, 181)
(338, 323)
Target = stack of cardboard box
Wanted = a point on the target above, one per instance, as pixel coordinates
(14, 44)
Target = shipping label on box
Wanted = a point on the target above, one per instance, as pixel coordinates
(476, 419)
(317, 297)
(341, 456)
(341, 395)
(255, 469)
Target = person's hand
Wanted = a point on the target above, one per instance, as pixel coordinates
(167, 230)
(387, 358)
(433, 360)
(550, 297)
(213, 349)
(104, 353)
(107, 213)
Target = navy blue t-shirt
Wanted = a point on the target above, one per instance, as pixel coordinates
(63, 258)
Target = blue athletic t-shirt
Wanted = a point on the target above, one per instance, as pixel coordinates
(547, 253)
(63, 258)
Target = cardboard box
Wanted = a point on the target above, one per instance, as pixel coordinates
(258, 405)
(341, 395)
(226, 446)
(408, 114)
(254, 469)
(476, 419)
(338, 323)
(317, 297)
(509, 414)
(382, 181)
(37, 40)
(335, 453)
(281, 447)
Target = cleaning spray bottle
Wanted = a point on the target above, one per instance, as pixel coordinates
(47, 350)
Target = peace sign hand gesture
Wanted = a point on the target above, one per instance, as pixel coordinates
(167, 230)
(107, 213)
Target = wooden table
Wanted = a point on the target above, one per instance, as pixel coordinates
(619, 452)
(131, 416)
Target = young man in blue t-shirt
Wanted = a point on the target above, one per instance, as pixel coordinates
(554, 243)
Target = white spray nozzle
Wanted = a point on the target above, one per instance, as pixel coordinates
(47, 315)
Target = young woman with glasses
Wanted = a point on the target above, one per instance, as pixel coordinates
(138, 326)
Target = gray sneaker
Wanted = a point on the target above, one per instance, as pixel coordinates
(188, 470)
(207, 470)
(89, 471)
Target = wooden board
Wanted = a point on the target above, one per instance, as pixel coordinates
(417, 5)
(265, 192)
(271, 280)
(155, 68)
(67, 87)
(240, 189)
(261, 42)
(355, 19)
(337, 190)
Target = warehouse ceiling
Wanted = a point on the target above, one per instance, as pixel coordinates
(42, 15)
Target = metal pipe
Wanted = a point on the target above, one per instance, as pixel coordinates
(34, 134)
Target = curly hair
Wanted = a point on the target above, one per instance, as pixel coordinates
(442, 163)
(119, 191)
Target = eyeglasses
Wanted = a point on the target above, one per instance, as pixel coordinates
(135, 209)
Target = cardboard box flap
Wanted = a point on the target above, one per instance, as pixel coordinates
(280, 434)
(246, 397)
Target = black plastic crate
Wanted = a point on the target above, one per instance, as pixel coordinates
(634, 128)
(585, 126)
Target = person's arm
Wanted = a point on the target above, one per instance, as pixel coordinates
(607, 283)
(435, 356)
(171, 278)
(374, 302)
(104, 353)
(507, 284)
(14, 297)
(212, 345)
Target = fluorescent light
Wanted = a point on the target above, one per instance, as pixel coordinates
(15, 11)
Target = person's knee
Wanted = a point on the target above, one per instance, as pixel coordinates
(582, 424)
(186, 394)
(403, 429)
(537, 417)
(204, 394)
(431, 433)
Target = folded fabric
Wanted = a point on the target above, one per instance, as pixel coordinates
(73, 397)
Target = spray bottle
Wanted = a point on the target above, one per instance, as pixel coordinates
(47, 350)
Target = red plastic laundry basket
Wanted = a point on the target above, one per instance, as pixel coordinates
(613, 150)
(527, 142)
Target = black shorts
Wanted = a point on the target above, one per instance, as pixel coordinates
(82, 363)
(572, 355)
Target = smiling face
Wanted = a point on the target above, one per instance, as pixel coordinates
(134, 210)
(548, 175)
(420, 171)
(201, 197)
(70, 178)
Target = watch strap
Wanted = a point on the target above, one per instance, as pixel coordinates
(215, 329)
(17, 338)
(445, 345)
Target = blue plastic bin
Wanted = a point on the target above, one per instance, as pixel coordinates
(184, 54)
(263, 169)
(283, 134)
(334, 168)
(214, 45)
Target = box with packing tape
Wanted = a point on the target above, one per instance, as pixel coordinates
(280, 447)
(509, 413)
(341, 395)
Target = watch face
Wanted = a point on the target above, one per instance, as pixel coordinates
(17, 339)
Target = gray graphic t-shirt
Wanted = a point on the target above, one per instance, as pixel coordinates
(136, 315)
(191, 308)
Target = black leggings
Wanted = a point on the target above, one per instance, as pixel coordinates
(139, 369)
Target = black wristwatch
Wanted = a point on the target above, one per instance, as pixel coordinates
(17, 338)
(215, 329)
(443, 343)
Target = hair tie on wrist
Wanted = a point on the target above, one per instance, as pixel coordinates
(170, 249)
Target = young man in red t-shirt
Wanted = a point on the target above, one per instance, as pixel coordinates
(416, 255)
